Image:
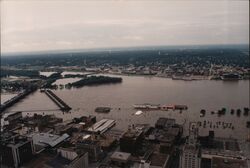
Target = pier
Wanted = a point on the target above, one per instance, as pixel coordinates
(16, 99)
(59, 102)
(102, 126)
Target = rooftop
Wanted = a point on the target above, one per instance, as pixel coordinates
(228, 163)
(102, 126)
(191, 148)
(59, 161)
(165, 122)
(132, 133)
(158, 159)
(45, 139)
(120, 156)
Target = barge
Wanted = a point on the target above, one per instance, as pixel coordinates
(102, 109)
(231, 76)
(148, 106)
(180, 107)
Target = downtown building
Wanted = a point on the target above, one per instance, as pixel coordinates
(15, 150)
(190, 156)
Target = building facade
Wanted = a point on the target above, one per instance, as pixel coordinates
(191, 153)
(16, 152)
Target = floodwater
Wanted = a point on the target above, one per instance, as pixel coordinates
(47, 74)
(65, 81)
(6, 97)
(197, 95)
(73, 73)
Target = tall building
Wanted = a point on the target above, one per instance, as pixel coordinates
(92, 147)
(191, 153)
(15, 150)
(131, 141)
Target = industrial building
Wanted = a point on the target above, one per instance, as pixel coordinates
(102, 126)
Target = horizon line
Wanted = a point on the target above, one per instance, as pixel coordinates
(117, 48)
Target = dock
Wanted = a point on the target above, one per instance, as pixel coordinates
(58, 101)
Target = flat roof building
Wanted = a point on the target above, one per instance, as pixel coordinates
(43, 140)
(120, 158)
(131, 141)
(164, 123)
(158, 160)
(69, 158)
(218, 162)
(93, 148)
(102, 126)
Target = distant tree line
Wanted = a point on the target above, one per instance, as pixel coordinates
(25, 73)
(51, 79)
(74, 76)
(203, 56)
(94, 80)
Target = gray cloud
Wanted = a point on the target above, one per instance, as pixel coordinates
(35, 25)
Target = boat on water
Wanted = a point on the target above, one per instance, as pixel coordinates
(138, 113)
(177, 77)
(202, 113)
(180, 107)
(102, 109)
(231, 76)
(147, 106)
(167, 107)
(188, 77)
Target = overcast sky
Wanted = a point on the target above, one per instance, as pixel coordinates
(35, 25)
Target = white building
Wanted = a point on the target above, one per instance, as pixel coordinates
(191, 152)
(69, 158)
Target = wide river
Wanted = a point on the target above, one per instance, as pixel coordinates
(197, 95)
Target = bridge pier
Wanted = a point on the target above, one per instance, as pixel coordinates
(59, 102)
